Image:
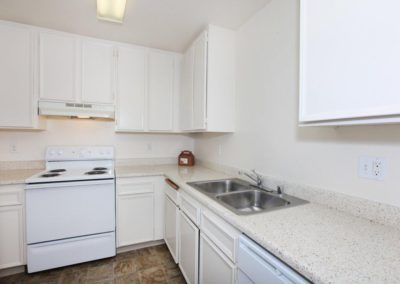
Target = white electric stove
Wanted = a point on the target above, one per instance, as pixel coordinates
(70, 208)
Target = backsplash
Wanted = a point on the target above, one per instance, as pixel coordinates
(31, 145)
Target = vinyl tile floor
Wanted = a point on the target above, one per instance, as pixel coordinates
(143, 266)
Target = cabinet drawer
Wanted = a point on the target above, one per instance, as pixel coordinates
(171, 193)
(135, 186)
(11, 195)
(221, 233)
(191, 208)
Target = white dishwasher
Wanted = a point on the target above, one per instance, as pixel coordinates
(256, 265)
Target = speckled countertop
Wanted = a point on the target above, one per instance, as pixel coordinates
(323, 244)
(16, 176)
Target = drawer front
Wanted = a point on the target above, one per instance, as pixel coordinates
(191, 208)
(11, 195)
(221, 233)
(45, 256)
(135, 186)
(172, 193)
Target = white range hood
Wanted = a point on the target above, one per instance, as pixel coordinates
(83, 110)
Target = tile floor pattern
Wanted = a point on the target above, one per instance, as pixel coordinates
(144, 266)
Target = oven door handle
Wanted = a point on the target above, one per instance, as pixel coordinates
(69, 183)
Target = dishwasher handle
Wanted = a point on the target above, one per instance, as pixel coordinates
(172, 184)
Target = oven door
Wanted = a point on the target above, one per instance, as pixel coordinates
(56, 211)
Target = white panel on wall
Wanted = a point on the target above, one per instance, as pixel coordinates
(350, 59)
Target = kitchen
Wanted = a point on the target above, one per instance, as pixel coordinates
(227, 81)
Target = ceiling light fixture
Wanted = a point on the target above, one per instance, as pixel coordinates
(111, 10)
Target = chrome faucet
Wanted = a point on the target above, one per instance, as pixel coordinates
(257, 178)
(254, 176)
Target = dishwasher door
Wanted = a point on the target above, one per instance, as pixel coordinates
(256, 265)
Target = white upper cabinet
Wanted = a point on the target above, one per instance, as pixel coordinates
(97, 72)
(349, 62)
(18, 95)
(160, 91)
(186, 97)
(75, 69)
(208, 83)
(147, 89)
(58, 66)
(131, 88)
(200, 82)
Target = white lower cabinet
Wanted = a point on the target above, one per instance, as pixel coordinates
(215, 267)
(188, 249)
(171, 227)
(138, 218)
(12, 237)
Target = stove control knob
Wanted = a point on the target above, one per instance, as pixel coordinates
(60, 153)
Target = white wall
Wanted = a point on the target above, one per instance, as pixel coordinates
(31, 145)
(267, 136)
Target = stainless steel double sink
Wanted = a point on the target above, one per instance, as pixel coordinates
(243, 198)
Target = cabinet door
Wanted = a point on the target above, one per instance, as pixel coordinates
(135, 219)
(171, 227)
(58, 62)
(16, 77)
(215, 267)
(160, 91)
(200, 82)
(97, 72)
(186, 101)
(188, 249)
(131, 82)
(12, 237)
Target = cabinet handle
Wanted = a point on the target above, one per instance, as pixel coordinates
(172, 184)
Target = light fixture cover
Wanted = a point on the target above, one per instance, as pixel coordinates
(111, 10)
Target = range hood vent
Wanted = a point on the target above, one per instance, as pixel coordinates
(76, 110)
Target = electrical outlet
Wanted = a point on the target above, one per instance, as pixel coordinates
(219, 150)
(378, 168)
(372, 168)
(149, 147)
(13, 148)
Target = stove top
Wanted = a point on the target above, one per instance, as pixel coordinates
(73, 174)
(76, 163)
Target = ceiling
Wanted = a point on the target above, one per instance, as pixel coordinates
(165, 24)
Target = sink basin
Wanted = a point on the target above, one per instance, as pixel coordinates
(252, 201)
(243, 198)
(221, 186)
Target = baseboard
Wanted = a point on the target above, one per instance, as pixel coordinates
(139, 246)
(12, 270)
